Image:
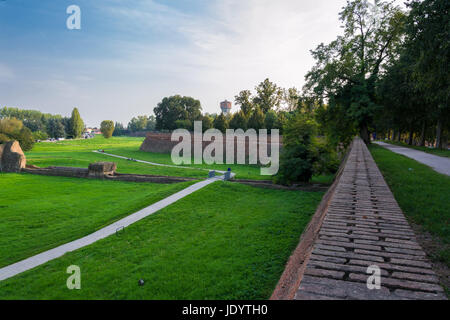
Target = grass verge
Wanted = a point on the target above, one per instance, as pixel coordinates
(226, 241)
(38, 213)
(422, 193)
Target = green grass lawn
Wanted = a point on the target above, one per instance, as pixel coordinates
(422, 193)
(38, 213)
(78, 153)
(437, 152)
(226, 241)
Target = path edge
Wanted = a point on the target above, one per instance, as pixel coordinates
(289, 282)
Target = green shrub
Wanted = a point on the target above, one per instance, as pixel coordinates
(40, 135)
(299, 152)
(327, 158)
(107, 128)
(13, 129)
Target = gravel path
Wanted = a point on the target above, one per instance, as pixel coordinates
(438, 164)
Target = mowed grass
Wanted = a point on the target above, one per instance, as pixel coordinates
(226, 241)
(437, 152)
(78, 153)
(38, 213)
(422, 193)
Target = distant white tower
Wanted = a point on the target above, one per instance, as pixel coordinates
(226, 107)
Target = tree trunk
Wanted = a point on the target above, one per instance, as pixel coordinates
(399, 133)
(439, 134)
(422, 134)
(364, 133)
(410, 138)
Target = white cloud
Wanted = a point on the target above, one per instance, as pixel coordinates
(233, 47)
(153, 49)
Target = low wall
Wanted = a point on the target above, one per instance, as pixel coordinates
(290, 279)
(58, 171)
(84, 173)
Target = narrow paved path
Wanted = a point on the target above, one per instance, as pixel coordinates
(156, 164)
(437, 163)
(364, 226)
(41, 258)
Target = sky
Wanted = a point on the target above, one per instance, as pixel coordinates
(128, 55)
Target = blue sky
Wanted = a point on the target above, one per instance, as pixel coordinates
(130, 54)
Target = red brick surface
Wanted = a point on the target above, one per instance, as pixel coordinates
(364, 226)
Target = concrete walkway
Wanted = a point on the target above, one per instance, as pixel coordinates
(437, 163)
(364, 226)
(41, 258)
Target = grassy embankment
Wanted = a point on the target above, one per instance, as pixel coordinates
(227, 241)
(38, 213)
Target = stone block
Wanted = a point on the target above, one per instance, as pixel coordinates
(12, 158)
(100, 169)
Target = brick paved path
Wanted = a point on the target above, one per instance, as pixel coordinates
(364, 226)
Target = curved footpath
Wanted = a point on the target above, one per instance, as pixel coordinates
(154, 163)
(41, 258)
(437, 163)
(364, 226)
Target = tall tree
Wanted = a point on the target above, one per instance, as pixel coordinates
(291, 98)
(151, 123)
(174, 108)
(268, 96)
(256, 120)
(138, 123)
(348, 68)
(244, 100)
(56, 129)
(270, 120)
(239, 121)
(221, 123)
(76, 124)
(207, 122)
(428, 34)
(119, 129)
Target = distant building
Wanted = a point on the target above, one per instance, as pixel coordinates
(226, 107)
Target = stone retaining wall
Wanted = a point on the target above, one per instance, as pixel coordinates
(161, 143)
(86, 173)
